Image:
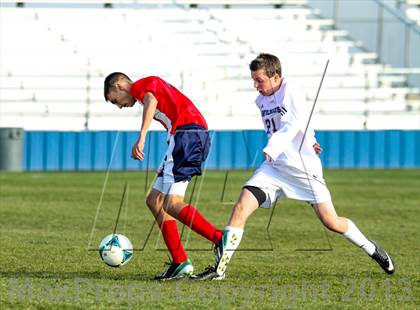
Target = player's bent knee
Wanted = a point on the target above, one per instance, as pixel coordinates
(238, 208)
(170, 209)
(174, 204)
(153, 200)
(258, 193)
(244, 207)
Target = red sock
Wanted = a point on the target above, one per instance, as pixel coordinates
(193, 219)
(170, 234)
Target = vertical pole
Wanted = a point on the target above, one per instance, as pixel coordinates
(366, 101)
(336, 9)
(379, 32)
(407, 47)
(87, 114)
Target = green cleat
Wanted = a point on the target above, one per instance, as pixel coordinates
(176, 271)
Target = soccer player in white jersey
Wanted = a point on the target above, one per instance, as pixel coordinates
(286, 172)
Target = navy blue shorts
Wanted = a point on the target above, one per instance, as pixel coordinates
(192, 145)
(188, 149)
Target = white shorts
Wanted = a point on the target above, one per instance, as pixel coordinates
(170, 187)
(278, 182)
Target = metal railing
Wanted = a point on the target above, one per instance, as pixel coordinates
(381, 27)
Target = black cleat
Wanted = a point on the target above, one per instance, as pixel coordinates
(217, 271)
(176, 271)
(383, 259)
(208, 274)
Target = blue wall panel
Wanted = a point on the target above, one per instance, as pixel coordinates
(332, 149)
(34, 156)
(84, 150)
(378, 149)
(417, 149)
(254, 141)
(363, 148)
(116, 154)
(51, 151)
(347, 146)
(223, 144)
(100, 151)
(242, 152)
(410, 149)
(68, 151)
(52, 143)
(393, 149)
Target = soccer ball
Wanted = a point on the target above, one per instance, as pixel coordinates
(115, 250)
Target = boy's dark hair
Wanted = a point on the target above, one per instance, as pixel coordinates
(110, 80)
(270, 63)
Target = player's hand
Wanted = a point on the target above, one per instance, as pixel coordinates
(317, 148)
(268, 158)
(137, 149)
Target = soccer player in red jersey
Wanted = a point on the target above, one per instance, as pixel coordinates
(189, 144)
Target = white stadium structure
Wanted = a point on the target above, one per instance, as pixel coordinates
(53, 61)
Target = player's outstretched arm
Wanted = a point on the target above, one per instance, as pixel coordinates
(149, 109)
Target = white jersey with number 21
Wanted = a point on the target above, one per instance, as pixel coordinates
(285, 115)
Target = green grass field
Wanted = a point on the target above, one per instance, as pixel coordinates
(49, 260)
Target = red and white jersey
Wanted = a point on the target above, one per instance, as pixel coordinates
(285, 115)
(173, 109)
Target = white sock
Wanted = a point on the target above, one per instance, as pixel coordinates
(231, 240)
(233, 237)
(354, 235)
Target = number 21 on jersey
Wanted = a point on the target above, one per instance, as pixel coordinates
(271, 124)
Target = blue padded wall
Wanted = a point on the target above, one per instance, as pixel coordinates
(98, 150)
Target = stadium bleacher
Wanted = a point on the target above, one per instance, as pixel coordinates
(53, 62)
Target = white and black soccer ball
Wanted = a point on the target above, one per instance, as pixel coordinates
(115, 250)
